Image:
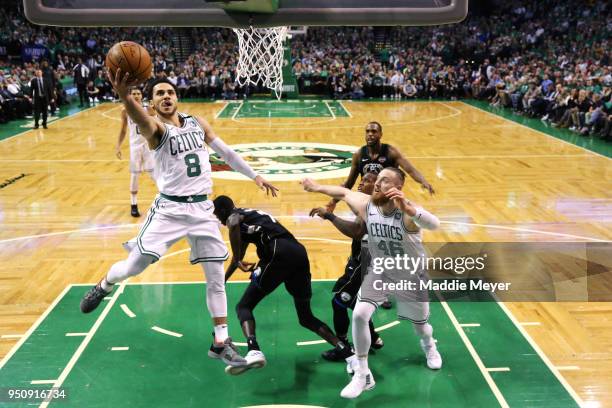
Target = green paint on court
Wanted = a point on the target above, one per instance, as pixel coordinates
(166, 371)
(283, 109)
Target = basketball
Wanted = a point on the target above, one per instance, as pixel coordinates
(130, 57)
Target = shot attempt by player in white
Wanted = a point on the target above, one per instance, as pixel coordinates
(141, 158)
(183, 208)
(393, 225)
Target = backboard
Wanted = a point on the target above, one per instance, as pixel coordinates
(210, 13)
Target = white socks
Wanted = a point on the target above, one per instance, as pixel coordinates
(221, 333)
(106, 286)
(425, 332)
(362, 366)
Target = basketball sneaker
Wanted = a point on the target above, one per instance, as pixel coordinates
(339, 353)
(359, 383)
(134, 211)
(92, 299)
(377, 344)
(254, 359)
(434, 359)
(228, 353)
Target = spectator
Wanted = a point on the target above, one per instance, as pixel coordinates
(81, 75)
(93, 93)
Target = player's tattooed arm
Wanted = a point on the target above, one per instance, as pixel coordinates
(122, 133)
(351, 228)
(355, 200)
(350, 180)
(233, 159)
(410, 169)
(238, 247)
(150, 128)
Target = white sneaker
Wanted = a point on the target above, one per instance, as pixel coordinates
(361, 382)
(434, 359)
(351, 364)
(254, 359)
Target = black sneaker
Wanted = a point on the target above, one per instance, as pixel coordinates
(134, 211)
(92, 299)
(338, 353)
(386, 304)
(377, 343)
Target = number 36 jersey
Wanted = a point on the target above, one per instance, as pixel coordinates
(182, 165)
(388, 237)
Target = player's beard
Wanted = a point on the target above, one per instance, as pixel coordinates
(379, 198)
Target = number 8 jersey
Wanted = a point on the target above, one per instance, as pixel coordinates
(182, 165)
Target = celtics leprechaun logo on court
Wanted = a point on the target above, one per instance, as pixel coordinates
(289, 160)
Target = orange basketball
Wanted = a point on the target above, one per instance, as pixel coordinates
(130, 57)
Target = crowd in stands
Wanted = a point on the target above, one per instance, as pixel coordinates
(549, 60)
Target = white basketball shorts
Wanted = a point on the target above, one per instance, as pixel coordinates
(168, 221)
(412, 304)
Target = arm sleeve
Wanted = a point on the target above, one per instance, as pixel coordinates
(232, 158)
(425, 219)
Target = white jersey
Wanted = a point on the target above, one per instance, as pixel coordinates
(182, 165)
(389, 237)
(137, 141)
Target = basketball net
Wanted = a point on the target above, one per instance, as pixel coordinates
(260, 57)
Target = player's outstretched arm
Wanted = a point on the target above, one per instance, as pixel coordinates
(410, 169)
(233, 159)
(150, 128)
(413, 214)
(355, 200)
(353, 229)
(122, 134)
(238, 247)
(350, 180)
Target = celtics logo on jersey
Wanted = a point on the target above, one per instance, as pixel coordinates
(288, 161)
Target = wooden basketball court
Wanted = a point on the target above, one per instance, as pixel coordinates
(63, 221)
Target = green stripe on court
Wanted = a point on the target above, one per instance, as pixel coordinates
(164, 370)
(283, 109)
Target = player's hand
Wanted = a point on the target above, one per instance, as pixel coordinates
(121, 83)
(246, 266)
(263, 184)
(331, 206)
(428, 187)
(309, 185)
(319, 211)
(400, 201)
(118, 153)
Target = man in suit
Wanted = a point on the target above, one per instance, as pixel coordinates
(42, 95)
(81, 77)
(49, 75)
